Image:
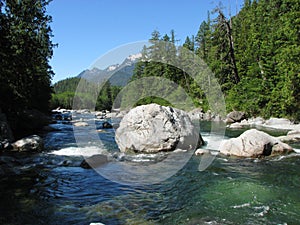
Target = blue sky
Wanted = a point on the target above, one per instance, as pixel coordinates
(88, 29)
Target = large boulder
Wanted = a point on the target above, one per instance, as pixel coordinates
(153, 128)
(235, 116)
(33, 143)
(254, 143)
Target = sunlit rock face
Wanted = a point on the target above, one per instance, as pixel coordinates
(254, 143)
(154, 128)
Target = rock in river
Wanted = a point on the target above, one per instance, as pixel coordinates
(33, 143)
(153, 128)
(254, 143)
(94, 161)
(80, 124)
(292, 136)
(235, 116)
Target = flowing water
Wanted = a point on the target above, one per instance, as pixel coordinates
(52, 188)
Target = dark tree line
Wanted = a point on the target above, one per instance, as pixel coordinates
(25, 50)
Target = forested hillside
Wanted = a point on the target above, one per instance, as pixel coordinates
(254, 55)
(65, 90)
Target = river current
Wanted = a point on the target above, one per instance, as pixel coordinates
(51, 188)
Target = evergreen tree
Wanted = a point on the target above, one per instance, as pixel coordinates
(25, 51)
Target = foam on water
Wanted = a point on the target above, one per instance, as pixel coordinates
(82, 151)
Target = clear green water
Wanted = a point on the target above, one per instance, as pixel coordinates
(230, 191)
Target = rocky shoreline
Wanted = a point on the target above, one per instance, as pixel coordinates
(234, 120)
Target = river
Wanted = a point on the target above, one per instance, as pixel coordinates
(51, 188)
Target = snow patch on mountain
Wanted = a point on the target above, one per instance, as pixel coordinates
(134, 57)
(112, 67)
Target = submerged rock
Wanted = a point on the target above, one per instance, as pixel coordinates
(33, 143)
(254, 143)
(153, 128)
(106, 125)
(94, 161)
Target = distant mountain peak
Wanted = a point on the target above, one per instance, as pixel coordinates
(118, 74)
(134, 57)
(112, 67)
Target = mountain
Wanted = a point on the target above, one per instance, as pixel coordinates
(118, 75)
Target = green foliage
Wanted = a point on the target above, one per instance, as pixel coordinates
(87, 94)
(67, 85)
(164, 56)
(26, 48)
(253, 55)
(25, 73)
(266, 44)
(152, 99)
(107, 96)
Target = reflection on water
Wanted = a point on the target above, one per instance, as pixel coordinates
(51, 188)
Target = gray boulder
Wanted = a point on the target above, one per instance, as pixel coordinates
(292, 136)
(278, 121)
(235, 116)
(254, 143)
(196, 114)
(153, 128)
(33, 143)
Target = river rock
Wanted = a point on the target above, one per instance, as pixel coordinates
(196, 114)
(292, 136)
(80, 124)
(235, 116)
(153, 128)
(5, 145)
(94, 161)
(236, 125)
(201, 151)
(278, 121)
(33, 143)
(106, 125)
(254, 143)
